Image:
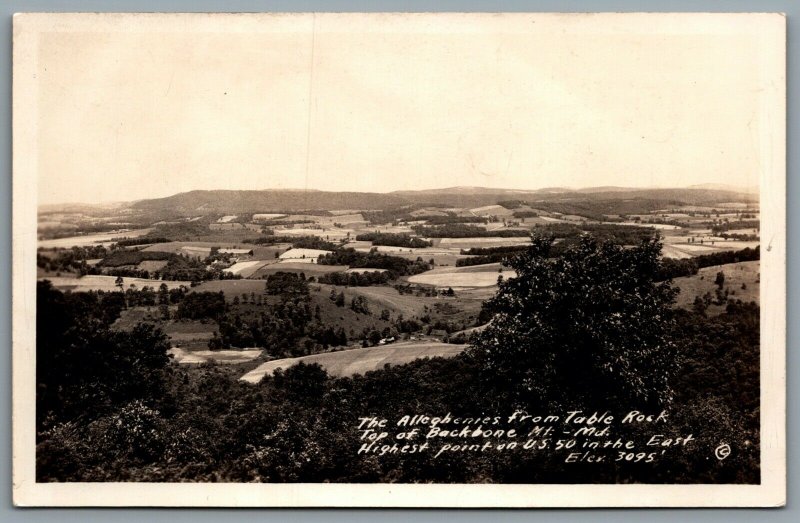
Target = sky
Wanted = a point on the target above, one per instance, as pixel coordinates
(148, 106)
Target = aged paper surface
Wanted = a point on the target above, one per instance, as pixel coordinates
(213, 199)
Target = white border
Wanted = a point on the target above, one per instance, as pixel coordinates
(771, 32)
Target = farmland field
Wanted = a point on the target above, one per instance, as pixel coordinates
(203, 248)
(267, 216)
(106, 283)
(492, 210)
(466, 243)
(246, 268)
(231, 288)
(327, 234)
(306, 255)
(676, 246)
(309, 269)
(736, 274)
(230, 357)
(90, 239)
(152, 265)
(190, 334)
(463, 277)
(360, 361)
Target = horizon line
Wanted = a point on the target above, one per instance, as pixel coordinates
(699, 186)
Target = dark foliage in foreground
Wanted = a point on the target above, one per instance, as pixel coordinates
(588, 327)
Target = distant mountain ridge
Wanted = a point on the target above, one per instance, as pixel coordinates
(267, 200)
(197, 202)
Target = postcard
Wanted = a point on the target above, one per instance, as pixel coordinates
(399, 260)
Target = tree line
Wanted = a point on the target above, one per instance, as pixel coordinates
(393, 240)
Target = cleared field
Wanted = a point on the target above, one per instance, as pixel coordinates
(152, 265)
(492, 210)
(198, 248)
(91, 239)
(309, 269)
(246, 268)
(494, 241)
(196, 251)
(229, 357)
(267, 216)
(659, 226)
(395, 229)
(462, 309)
(341, 212)
(226, 226)
(382, 297)
(129, 318)
(189, 335)
(428, 212)
(231, 288)
(671, 251)
(302, 254)
(743, 231)
(344, 219)
(463, 277)
(736, 274)
(676, 247)
(45, 225)
(106, 283)
(365, 246)
(360, 361)
(226, 219)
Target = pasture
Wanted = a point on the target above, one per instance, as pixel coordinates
(332, 234)
(359, 361)
(493, 241)
(736, 274)
(463, 277)
(492, 210)
(225, 357)
(231, 288)
(105, 238)
(302, 255)
(189, 334)
(246, 268)
(677, 247)
(462, 309)
(309, 269)
(106, 283)
(267, 216)
(203, 248)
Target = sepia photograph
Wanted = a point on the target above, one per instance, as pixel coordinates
(439, 260)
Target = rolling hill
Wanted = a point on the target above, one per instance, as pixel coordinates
(225, 201)
(202, 202)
